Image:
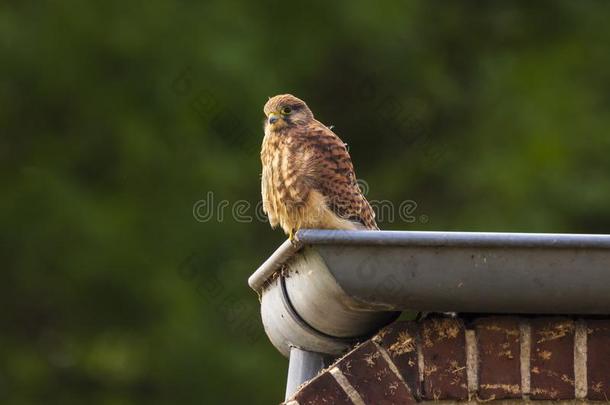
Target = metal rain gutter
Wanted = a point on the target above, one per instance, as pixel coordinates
(334, 288)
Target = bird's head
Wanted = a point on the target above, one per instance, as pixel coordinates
(286, 110)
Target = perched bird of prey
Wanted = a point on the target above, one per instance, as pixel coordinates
(308, 179)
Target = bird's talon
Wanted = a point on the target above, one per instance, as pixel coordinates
(293, 237)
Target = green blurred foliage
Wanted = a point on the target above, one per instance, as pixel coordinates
(116, 118)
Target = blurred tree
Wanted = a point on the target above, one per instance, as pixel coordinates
(117, 118)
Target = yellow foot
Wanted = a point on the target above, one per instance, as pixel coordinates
(293, 236)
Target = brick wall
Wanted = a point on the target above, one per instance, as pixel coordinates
(485, 359)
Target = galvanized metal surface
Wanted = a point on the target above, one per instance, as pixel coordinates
(303, 366)
(340, 286)
(464, 271)
(286, 328)
(490, 279)
(307, 309)
(449, 239)
(282, 254)
(323, 304)
(420, 238)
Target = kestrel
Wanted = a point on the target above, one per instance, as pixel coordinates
(308, 179)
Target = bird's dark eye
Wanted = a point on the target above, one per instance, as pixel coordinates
(286, 110)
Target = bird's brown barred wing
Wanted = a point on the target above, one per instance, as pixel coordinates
(331, 172)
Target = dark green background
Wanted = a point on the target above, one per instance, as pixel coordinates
(117, 117)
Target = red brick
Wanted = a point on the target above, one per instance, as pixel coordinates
(444, 351)
(552, 359)
(598, 360)
(499, 351)
(323, 389)
(370, 375)
(400, 340)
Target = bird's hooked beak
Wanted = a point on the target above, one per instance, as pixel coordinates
(273, 118)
